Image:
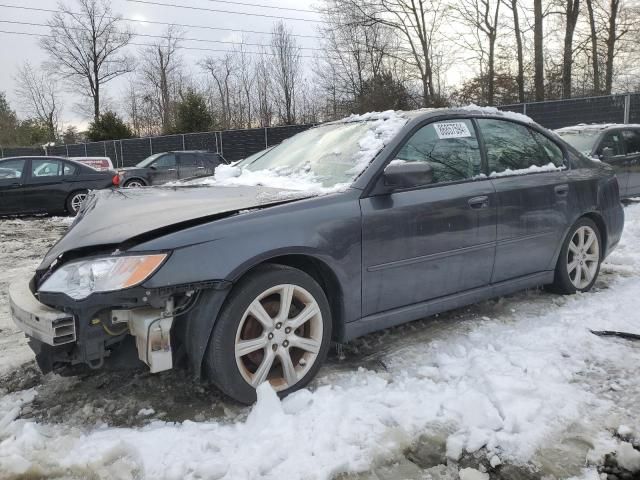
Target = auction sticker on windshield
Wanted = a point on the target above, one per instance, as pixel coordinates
(452, 130)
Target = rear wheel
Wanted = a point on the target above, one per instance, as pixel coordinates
(74, 201)
(275, 327)
(135, 183)
(579, 261)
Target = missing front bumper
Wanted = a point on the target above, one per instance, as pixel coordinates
(37, 320)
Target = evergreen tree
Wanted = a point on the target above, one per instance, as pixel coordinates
(108, 127)
(192, 114)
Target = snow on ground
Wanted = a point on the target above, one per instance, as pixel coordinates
(520, 379)
(22, 245)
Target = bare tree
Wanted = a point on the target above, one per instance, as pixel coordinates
(263, 88)
(419, 23)
(140, 110)
(572, 10)
(86, 47)
(246, 78)
(286, 71)
(482, 17)
(39, 97)
(595, 61)
(538, 48)
(160, 62)
(355, 52)
(517, 33)
(222, 71)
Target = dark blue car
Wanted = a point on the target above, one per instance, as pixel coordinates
(344, 229)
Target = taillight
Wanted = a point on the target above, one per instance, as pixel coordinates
(116, 180)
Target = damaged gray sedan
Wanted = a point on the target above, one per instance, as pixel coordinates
(344, 229)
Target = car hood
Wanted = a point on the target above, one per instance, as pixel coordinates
(111, 217)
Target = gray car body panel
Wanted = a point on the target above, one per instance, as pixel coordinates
(395, 256)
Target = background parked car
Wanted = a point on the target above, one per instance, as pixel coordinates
(99, 163)
(170, 166)
(48, 184)
(616, 144)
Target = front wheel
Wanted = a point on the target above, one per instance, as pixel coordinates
(579, 261)
(275, 327)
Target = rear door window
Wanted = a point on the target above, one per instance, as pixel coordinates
(46, 168)
(450, 147)
(631, 141)
(189, 160)
(515, 147)
(553, 151)
(166, 161)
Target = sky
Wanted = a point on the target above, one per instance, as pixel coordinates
(18, 48)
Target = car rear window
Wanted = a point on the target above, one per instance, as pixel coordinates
(70, 169)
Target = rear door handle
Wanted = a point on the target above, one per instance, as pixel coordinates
(479, 202)
(562, 190)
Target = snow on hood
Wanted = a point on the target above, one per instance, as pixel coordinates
(384, 126)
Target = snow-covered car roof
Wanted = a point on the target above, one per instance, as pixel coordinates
(432, 112)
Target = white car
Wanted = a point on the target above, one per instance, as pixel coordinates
(99, 163)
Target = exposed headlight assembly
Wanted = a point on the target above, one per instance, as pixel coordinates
(82, 278)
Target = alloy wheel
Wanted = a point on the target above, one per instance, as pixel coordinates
(76, 201)
(134, 184)
(279, 337)
(583, 257)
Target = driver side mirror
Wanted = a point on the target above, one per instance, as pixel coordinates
(403, 174)
(153, 167)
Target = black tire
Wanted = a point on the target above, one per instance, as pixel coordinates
(136, 181)
(72, 204)
(562, 282)
(220, 360)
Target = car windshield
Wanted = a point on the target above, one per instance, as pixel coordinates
(149, 160)
(581, 140)
(328, 155)
(252, 158)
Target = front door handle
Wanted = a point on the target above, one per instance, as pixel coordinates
(479, 202)
(562, 190)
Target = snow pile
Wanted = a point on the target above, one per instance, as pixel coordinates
(628, 458)
(383, 127)
(549, 167)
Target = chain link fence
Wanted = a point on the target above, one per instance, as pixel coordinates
(563, 113)
(237, 144)
(231, 144)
